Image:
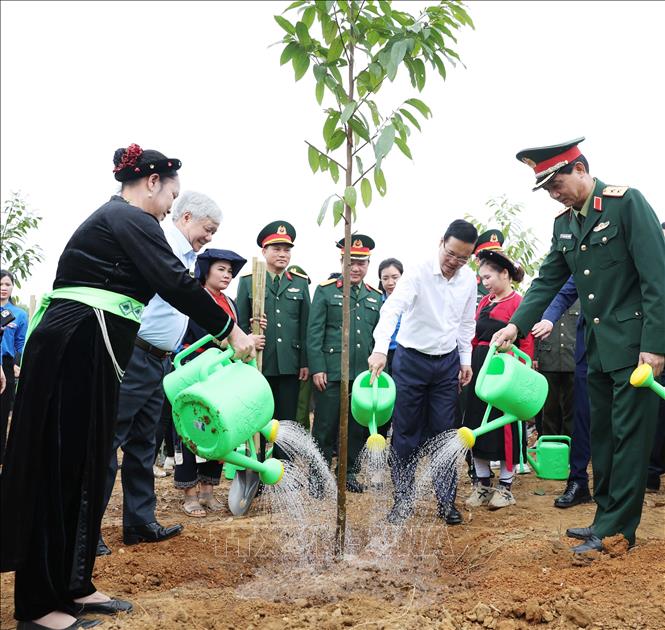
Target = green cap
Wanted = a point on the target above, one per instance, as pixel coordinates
(276, 233)
(361, 246)
(546, 162)
(490, 239)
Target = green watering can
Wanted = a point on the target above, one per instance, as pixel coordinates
(372, 405)
(508, 384)
(642, 376)
(218, 404)
(551, 457)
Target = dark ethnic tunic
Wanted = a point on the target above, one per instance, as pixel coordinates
(59, 445)
(501, 444)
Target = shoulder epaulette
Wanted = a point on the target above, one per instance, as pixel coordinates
(325, 283)
(615, 191)
(300, 275)
(556, 216)
(371, 288)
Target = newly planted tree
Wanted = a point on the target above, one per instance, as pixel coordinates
(351, 47)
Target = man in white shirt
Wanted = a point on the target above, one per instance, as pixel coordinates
(437, 300)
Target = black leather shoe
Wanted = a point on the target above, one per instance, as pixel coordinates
(112, 607)
(79, 623)
(590, 544)
(353, 485)
(399, 514)
(574, 494)
(451, 515)
(102, 548)
(581, 533)
(152, 532)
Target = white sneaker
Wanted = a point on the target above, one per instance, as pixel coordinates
(502, 497)
(158, 472)
(169, 463)
(480, 495)
(518, 470)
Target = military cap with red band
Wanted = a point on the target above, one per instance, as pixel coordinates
(361, 246)
(276, 233)
(546, 162)
(490, 239)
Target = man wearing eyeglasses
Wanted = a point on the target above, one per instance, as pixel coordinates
(437, 302)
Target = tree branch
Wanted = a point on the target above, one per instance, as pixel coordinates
(339, 30)
(309, 144)
(371, 168)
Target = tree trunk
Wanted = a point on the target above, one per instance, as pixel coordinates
(343, 448)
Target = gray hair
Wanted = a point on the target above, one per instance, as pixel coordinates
(199, 205)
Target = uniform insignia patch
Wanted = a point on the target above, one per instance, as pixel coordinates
(615, 191)
(371, 299)
(293, 290)
(598, 204)
(565, 236)
(601, 226)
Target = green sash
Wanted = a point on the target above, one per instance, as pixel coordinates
(115, 303)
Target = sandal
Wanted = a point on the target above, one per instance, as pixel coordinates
(211, 503)
(193, 508)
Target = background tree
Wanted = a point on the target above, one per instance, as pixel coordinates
(352, 47)
(521, 245)
(17, 221)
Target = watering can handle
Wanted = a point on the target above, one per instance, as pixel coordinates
(554, 438)
(189, 349)
(522, 355)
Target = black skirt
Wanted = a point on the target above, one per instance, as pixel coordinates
(58, 450)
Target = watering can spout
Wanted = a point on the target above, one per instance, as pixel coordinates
(270, 471)
(270, 431)
(466, 436)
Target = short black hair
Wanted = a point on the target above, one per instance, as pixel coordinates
(461, 230)
(663, 225)
(568, 169)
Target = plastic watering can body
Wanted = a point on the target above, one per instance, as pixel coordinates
(552, 456)
(510, 385)
(374, 402)
(218, 404)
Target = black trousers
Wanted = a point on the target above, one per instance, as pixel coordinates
(165, 430)
(6, 401)
(285, 391)
(558, 409)
(139, 410)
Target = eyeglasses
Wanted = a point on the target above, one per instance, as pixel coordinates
(460, 259)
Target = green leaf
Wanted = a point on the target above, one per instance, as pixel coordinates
(419, 67)
(319, 91)
(293, 5)
(287, 53)
(376, 119)
(411, 118)
(380, 181)
(366, 191)
(302, 32)
(385, 141)
(403, 148)
(397, 52)
(438, 62)
(420, 106)
(329, 126)
(324, 209)
(385, 7)
(348, 112)
(336, 49)
(313, 157)
(300, 63)
(334, 171)
(350, 196)
(338, 211)
(308, 16)
(359, 165)
(323, 162)
(285, 24)
(360, 128)
(337, 139)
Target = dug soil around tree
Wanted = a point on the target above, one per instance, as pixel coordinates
(503, 570)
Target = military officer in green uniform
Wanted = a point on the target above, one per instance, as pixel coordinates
(324, 346)
(287, 304)
(609, 238)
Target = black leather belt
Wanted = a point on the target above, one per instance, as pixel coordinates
(150, 349)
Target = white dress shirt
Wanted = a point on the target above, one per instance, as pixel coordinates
(437, 314)
(162, 325)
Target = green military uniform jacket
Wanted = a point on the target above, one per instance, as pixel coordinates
(557, 352)
(287, 312)
(324, 337)
(617, 258)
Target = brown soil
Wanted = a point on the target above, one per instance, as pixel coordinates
(501, 570)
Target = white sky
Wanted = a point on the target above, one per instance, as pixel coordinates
(197, 81)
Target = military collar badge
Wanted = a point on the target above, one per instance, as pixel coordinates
(601, 226)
